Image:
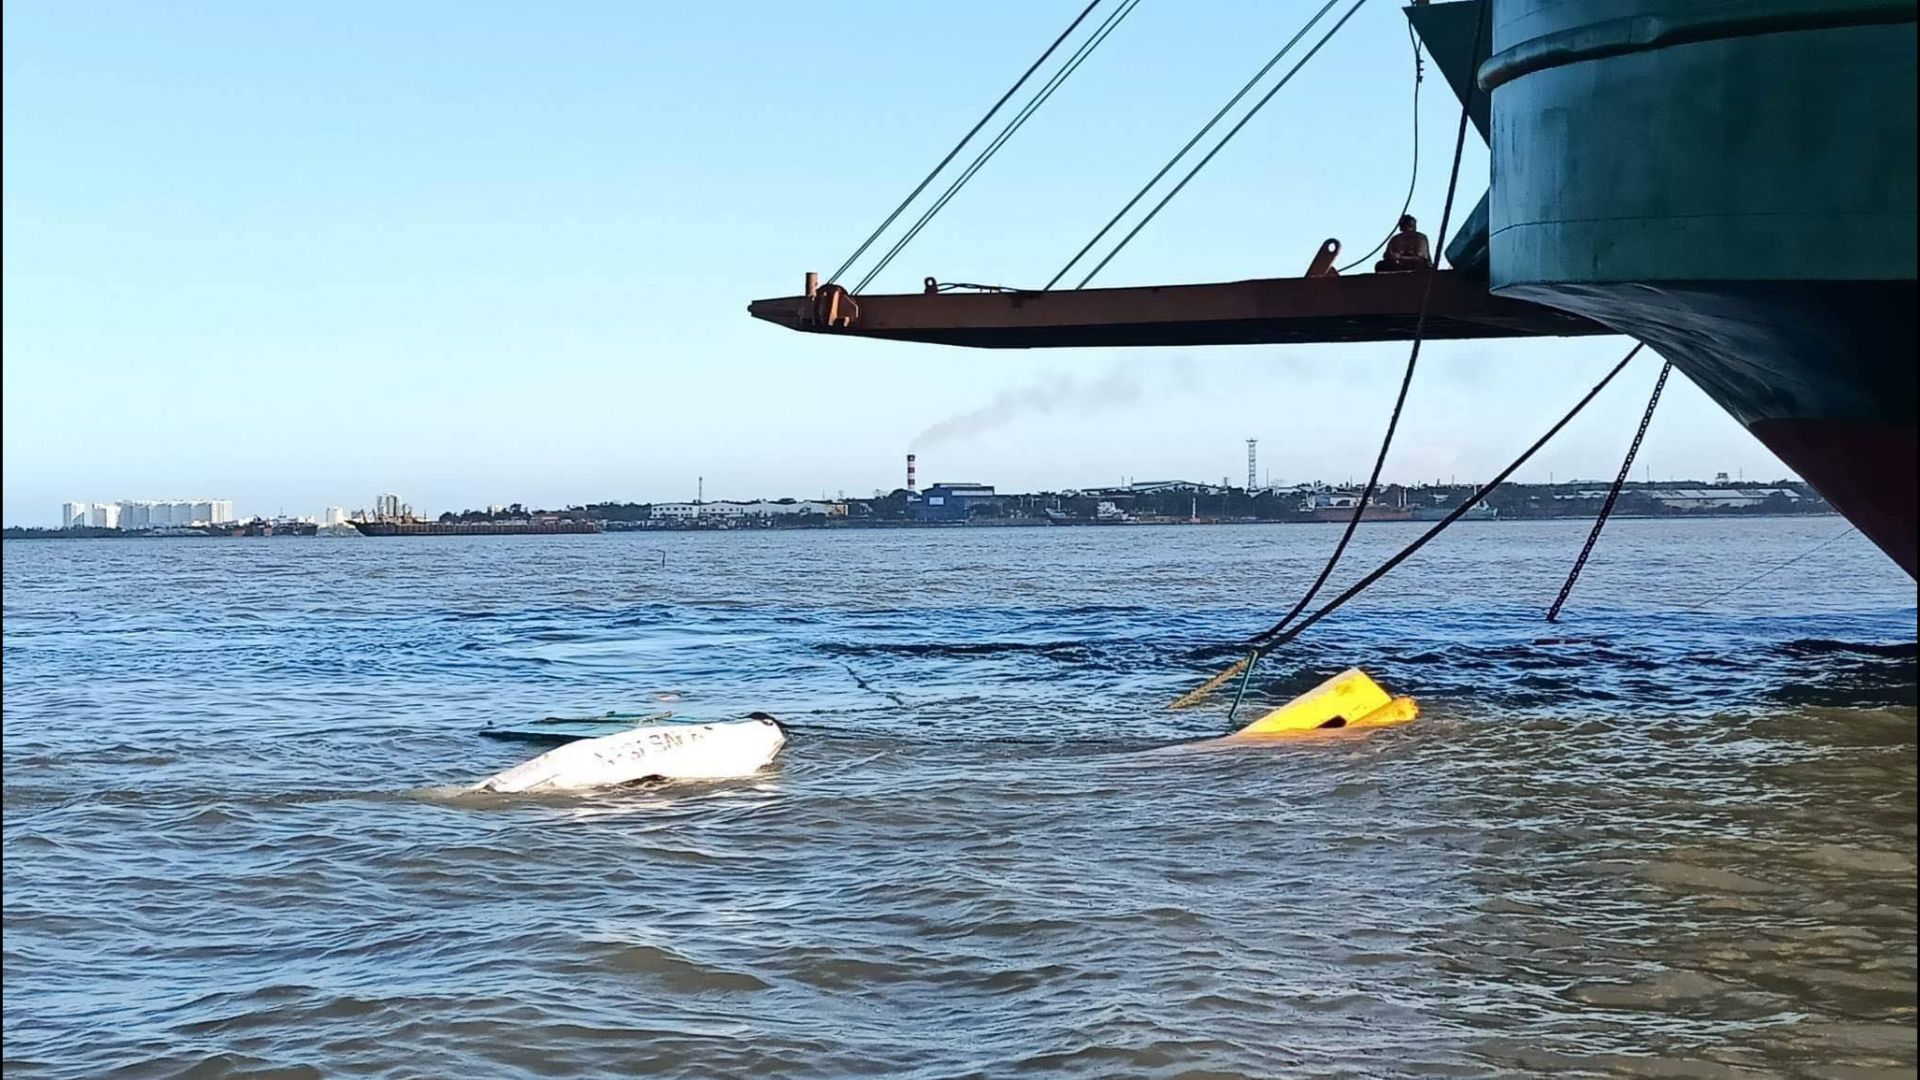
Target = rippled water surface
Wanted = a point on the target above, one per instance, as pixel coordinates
(1677, 840)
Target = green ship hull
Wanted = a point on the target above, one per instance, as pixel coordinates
(1734, 184)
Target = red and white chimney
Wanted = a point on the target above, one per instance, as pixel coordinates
(912, 484)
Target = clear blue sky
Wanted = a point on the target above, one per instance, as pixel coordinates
(298, 255)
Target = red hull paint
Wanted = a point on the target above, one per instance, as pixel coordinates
(1867, 471)
(1822, 372)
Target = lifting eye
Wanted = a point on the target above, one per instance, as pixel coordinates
(1338, 721)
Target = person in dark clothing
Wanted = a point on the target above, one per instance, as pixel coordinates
(1406, 250)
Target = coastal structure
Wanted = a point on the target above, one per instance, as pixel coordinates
(720, 511)
(538, 525)
(1164, 487)
(952, 502)
(1696, 499)
(146, 514)
(263, 527)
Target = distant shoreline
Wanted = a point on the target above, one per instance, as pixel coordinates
(28, 533)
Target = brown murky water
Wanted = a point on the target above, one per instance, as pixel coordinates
(1682, 846)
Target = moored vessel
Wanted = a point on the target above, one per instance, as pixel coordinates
(518, 527)
(1477, 512)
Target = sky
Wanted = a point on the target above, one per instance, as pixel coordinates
(472, 253)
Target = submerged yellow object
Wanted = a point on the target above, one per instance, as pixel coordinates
(1350, 699)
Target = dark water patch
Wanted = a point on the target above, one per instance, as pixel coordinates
(1069, 651)
(1817, 647)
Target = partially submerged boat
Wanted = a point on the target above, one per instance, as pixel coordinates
(1348, 702)
(649, 751)
(1351, 699)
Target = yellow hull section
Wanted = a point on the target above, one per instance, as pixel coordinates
(1350, 699)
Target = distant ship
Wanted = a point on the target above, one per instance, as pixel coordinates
(1105, 513)
(518, 527)
(1344, 514)
(263, 527)
(1338, 506)
(1479, 512)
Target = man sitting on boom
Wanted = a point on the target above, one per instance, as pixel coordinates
(1406, 250)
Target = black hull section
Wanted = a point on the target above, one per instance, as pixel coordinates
(1823, 373)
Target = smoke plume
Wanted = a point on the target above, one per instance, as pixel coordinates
(1053, 394)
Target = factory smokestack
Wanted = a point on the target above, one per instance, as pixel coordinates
(912, 484)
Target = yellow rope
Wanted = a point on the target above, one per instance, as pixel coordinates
(1199, 693)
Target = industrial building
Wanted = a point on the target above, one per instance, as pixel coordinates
(953, 502)
(1719, 498)
(1171, 487)
(1692, 499)
(725, 511)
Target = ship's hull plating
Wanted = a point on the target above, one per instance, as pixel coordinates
(1733, 184)
(1823, 374)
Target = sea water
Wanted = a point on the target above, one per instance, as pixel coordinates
(1678, 842)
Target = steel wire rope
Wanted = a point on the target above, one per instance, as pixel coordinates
(1406, 379)
(1613, 495)
(1224, 140)
(1260, 644)
(1454, 515)
(1244, 667)
(1419, 76)
(965, 139)
(1774, 569)
(1099, 35)
(1191, 143)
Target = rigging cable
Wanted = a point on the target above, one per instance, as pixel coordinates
(870, 688)
(1260, 644)
(1231, 132)
(1613, 495)
(1175, 160)
(1482, 492)
(1086, 49)
(1259, 648)
(1419, 76)
(1406, 379)
(968, 137)
(1776, 567)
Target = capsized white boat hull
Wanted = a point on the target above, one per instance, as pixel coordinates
(715, 751)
